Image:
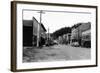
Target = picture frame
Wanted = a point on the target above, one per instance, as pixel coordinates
(23, 57)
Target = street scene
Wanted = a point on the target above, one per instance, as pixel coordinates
(56, 36)
(56, 53)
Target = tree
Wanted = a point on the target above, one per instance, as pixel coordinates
(61, 32)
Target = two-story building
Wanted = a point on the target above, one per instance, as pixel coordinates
(77, 32)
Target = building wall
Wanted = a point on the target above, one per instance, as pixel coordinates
(30, 32)
(35, 26)
(27, 32)
(76, 33)
(27, 36)
(86, 38)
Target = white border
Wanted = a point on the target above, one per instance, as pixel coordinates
(34, 65)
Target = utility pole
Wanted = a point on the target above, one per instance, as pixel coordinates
(39, 27)
(48, 36)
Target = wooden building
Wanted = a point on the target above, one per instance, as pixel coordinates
(30, 32)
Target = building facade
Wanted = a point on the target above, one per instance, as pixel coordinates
(30, 32)
(78, 32)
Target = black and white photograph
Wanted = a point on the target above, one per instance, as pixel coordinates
(54, 36)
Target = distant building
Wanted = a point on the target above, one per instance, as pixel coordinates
(60, 40)
(78, 31)
(64, 39)
(30, 30)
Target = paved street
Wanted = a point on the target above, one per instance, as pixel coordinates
(56, 53)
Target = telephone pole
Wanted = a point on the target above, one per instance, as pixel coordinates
(39, 27)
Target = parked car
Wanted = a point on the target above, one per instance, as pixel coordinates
(55, 42)
(76, 44)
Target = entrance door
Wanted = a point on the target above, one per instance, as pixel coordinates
(27, 35)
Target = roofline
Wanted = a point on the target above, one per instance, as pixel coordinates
(38, 23)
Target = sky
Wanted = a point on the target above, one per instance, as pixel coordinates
(57, 20)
